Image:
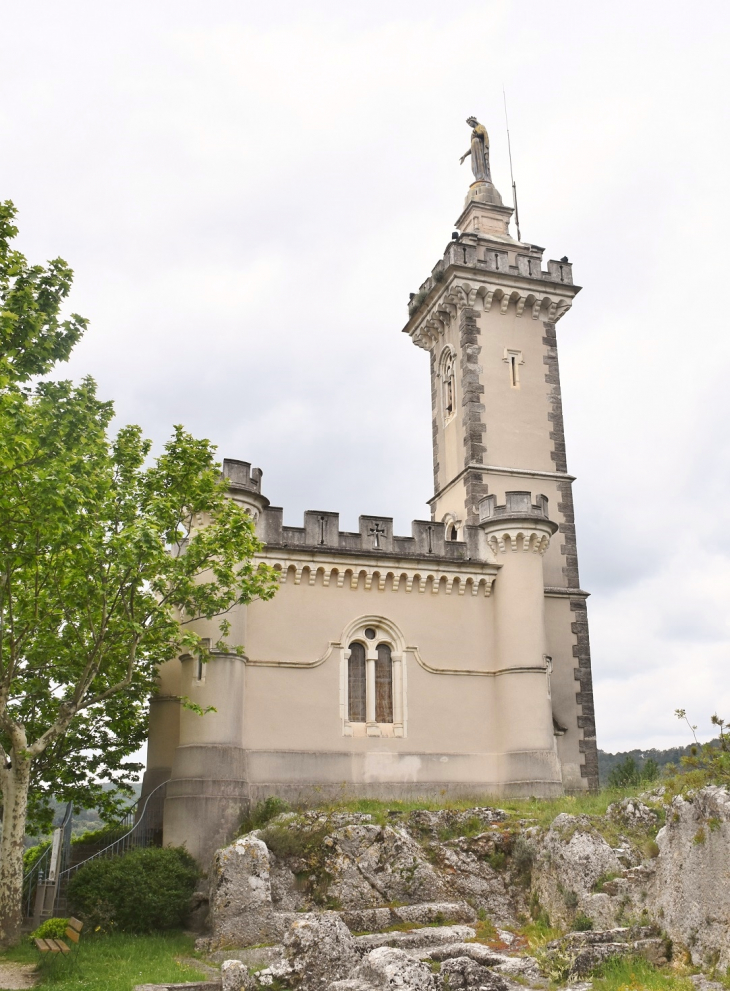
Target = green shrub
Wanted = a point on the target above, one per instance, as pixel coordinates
(604, 879)
(262, 814)
(50, 929)
(103, 837)
(582, 923)
(33, 854)
(523, 857)
(141, 891)
(628, 774)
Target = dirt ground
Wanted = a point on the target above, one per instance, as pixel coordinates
(16, 976)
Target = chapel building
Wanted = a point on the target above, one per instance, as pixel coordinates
(453, 662)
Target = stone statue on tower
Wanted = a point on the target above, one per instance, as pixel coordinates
(479, 151)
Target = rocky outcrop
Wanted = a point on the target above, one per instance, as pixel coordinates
(319, 949)
(570, 859)
(581, 952)
(387, 967)
(689, 891)
(241, 909)
(335, 889)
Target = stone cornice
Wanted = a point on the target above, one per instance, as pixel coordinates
(436, 575)
(339, 645)
(497, 470)
(483, 290)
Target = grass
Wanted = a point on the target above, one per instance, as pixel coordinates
(116, 962)
(540, 810)
(635, 974)
(538, 934)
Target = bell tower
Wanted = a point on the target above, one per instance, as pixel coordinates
(487, 316)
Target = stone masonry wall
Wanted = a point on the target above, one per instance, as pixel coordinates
(474, 427)
(569, 550)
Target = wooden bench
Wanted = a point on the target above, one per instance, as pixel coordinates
(56, 949)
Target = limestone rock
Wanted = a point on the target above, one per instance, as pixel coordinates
(475, 951)
(571, 858)
(470, 875)
(285, 895)
(465, 974)
(633, 814)
(235, 976)
(373, 865)
(690, 889)
(521, 968)
(415, 938)
(241, 912)
(703, 983)
(319, 949)
(352, 984)
(582, 951)
(368, 920)
(386, 967)
(447, 821)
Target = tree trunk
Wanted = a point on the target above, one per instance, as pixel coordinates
(14, 782)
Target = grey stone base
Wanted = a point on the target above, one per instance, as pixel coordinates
(213, 786)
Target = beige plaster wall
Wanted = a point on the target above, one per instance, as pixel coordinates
(516, 418)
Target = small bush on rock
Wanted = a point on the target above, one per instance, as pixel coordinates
(710, 759)
(262, 814)
(142, 891)
(582, 923)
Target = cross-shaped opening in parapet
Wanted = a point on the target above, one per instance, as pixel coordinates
(376, 532)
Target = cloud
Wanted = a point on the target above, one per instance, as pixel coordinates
(248, 194)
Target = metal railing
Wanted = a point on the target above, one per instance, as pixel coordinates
(141, 826)
(145, 831)
(50, 863)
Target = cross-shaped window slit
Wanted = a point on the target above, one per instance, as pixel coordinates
(377, 532)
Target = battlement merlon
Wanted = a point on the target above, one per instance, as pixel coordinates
(375, 538)
(518, 506)
(485, 268)
(244, 485)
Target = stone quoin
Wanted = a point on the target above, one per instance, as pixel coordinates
(453, 662)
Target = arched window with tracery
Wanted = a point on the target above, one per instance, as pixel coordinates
(384, 685)
(373, 679)
(356, 687)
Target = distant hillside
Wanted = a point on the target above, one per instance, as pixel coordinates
(606, 762)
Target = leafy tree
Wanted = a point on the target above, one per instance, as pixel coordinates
(626, 774)
(106, 558)
(650, 770)
(32, 335)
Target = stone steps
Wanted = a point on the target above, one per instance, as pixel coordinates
(412, 939)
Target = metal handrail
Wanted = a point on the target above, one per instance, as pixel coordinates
(147, 825)
(40, 869)
(144, 825)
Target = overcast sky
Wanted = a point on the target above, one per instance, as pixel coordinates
(248, 192)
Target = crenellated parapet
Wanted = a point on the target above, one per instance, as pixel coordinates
(244, 486)
(488, 271)
(321, 534)
(319, 553)
(518, 524)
